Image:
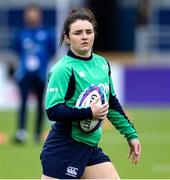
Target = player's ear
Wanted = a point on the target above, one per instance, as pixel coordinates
(66, 39)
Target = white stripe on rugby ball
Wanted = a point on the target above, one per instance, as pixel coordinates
(89, 95)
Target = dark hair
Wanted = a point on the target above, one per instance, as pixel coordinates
(75, 14)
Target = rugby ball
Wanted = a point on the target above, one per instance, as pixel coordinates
(89, 95)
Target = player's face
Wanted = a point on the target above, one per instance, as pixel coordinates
(81, 38)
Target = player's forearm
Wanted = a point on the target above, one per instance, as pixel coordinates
(123, 125)
(119, 119)
(62, 112)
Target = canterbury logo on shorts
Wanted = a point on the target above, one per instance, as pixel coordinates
(72, 171)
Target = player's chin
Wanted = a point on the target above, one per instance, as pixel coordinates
(86, 47)
(85, 50)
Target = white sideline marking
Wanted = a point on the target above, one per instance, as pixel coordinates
(161, 168)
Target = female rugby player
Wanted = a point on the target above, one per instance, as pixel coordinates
(68, 152)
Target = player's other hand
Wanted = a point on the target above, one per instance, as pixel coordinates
(134, 151)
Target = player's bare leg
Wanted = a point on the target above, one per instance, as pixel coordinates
(44, 177)
(104, 170)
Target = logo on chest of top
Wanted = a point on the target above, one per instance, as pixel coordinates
(82, 74)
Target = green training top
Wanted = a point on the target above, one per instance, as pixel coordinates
(95, 71)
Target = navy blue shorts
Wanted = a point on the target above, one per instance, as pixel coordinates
(64, 158)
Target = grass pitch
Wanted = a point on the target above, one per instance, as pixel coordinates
(153, 125)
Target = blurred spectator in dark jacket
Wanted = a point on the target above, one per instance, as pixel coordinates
(34, 45)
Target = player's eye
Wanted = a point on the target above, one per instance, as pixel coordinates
(89, 32)
(77, 33)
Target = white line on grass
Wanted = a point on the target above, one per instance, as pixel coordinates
(161, 168)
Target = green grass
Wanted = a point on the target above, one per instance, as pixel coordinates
(153, 125)
(18, 161)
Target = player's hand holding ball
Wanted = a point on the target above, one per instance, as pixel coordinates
(99, 111)
(95, 98)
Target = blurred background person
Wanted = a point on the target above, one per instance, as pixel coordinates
(34, 45)
(142, 30)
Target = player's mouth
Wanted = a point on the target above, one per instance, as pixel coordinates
(84, 43)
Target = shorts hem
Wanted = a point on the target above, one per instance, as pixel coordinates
(99, 162)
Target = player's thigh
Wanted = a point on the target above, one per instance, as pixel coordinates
(44, 177)
(104, 170)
